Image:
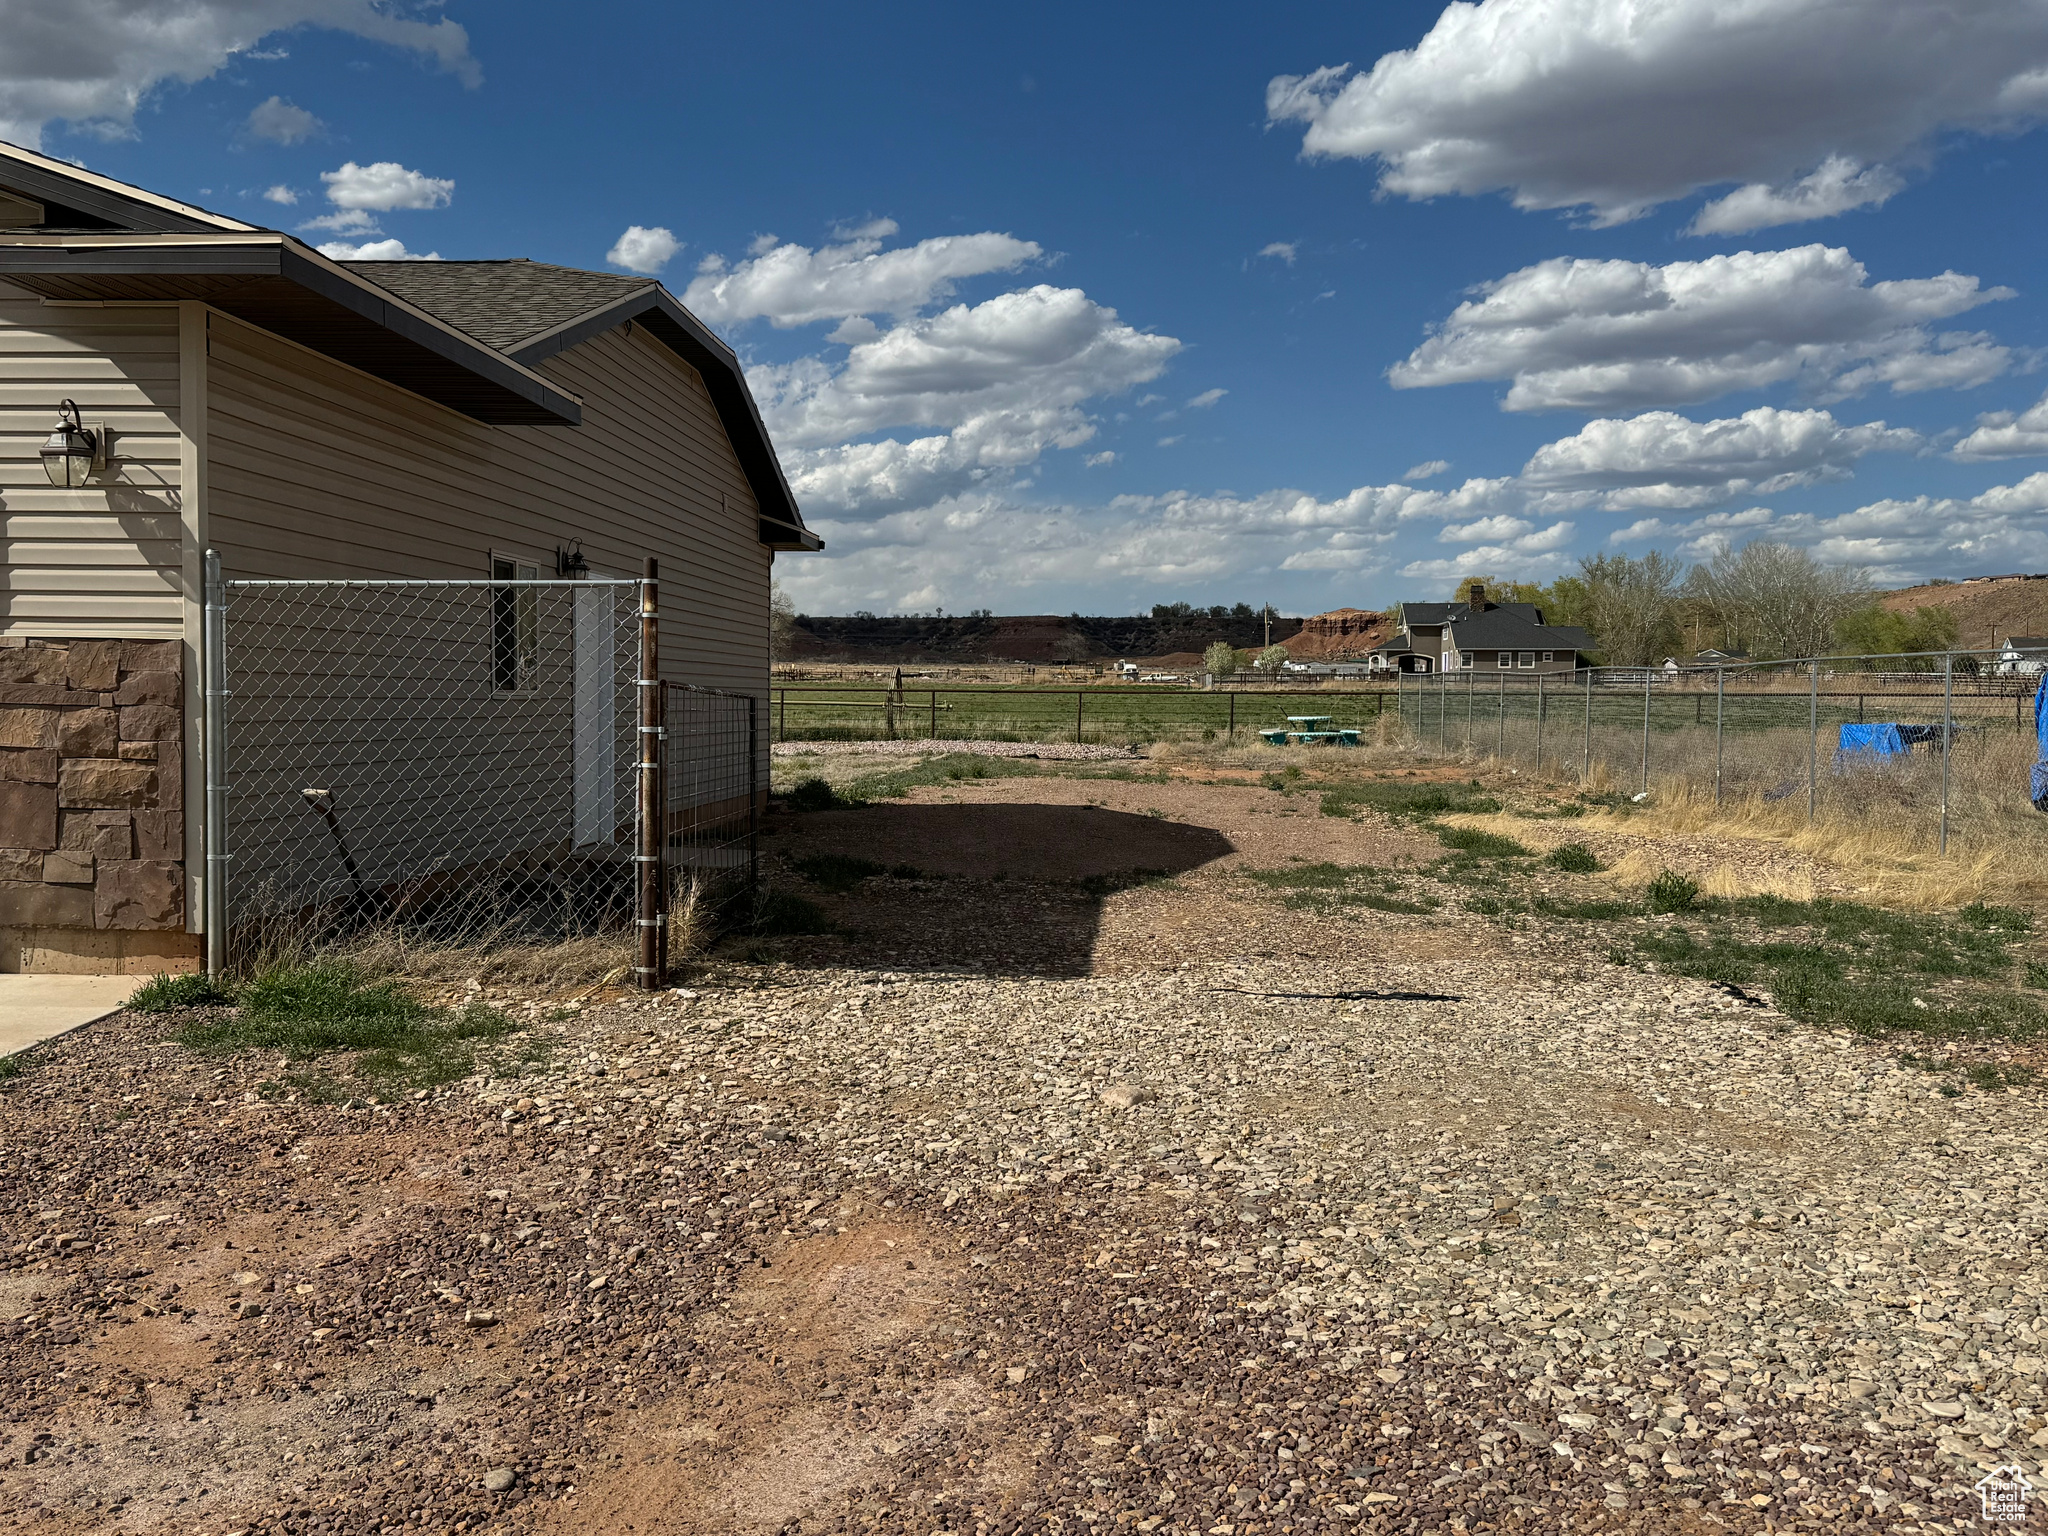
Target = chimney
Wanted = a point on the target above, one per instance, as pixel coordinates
(1475, 596)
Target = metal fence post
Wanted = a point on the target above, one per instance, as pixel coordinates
(1812, 738)
(214, 663)
(1500, 745)
(1469, 681)
(1080, 698)
(1443, 710)
(1542, 711)
(649, 917)
(1720, 701)
(1648, 675)
(1948, 731)
(1232, 737)
(1586, 750)
(753, 812)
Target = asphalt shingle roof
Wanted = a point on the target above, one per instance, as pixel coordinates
(1503, 629)
(501, 303)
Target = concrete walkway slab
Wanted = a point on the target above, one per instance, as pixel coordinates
(36, 1007)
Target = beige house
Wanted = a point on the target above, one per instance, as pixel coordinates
(308, 418)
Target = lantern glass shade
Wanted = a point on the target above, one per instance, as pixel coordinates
(69, 452)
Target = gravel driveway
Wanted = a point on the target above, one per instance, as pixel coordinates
(1366, 1228)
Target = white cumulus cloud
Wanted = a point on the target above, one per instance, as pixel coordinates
(374, 250)
(791, 285)
(1282, 250)
(1660, 459)
(385, 186)
(643, 249)
(1615, 106)
(280, 122)
(94, 62)
(2006, 435)
(1428, 469)
(1206, 398)
(1601, 335)
(280, 194)
(1839, 185)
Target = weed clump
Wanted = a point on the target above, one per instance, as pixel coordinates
(1573, 859)
(812, 795)
(1411, 801)
(163, 993)
(836, 872)
(1673, 892)
(1487, 845)
(331, 1007)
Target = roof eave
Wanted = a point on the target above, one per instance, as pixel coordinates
(690, 339)
(216, 265)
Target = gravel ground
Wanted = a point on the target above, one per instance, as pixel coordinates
(1330, 1226)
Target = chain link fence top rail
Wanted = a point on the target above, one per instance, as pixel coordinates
(1941, 744)
(453, 759)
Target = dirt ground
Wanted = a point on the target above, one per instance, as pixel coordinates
(1075, 1182)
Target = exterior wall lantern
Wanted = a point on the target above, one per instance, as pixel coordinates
(569, 562)
(73, 451)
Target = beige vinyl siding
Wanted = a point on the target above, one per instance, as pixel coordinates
(106, 560)
(318, 470)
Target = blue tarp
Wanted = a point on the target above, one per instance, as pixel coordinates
(1871, 741)
(2037, 790)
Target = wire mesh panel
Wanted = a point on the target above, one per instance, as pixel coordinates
(452, 759)
(711, 768)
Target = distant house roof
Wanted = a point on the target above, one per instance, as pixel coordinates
(2028, 642)
(1710, 654)
(1439, 613)
(1506, 629)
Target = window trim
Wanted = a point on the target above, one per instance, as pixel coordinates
(1525, 659)
(516, 609)
(1503, 659)
(1550, 656)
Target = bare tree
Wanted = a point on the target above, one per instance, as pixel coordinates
(1772, 600)
(781, 622)
(1630, 606)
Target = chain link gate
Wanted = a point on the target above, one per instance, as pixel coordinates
(455, 761)
(711, 771)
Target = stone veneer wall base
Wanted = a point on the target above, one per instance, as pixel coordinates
(92, 824)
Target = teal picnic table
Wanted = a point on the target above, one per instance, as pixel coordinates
(1310, 723)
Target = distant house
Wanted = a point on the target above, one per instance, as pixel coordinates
(1711, 657)
(2022, 656)
(1477, 635)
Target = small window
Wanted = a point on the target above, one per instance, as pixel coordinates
(1525, 659)
(1504, 658)
(515, 626)
(1550, 656)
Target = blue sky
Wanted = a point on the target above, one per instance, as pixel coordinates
(1637, 273)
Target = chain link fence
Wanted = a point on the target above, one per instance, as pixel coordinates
(450, 760)
(712, 790)
(1942, 744)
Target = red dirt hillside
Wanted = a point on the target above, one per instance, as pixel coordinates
(1343, 634)
(1989, 610)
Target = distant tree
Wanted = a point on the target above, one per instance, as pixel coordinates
(1772, 600)
(1243, 613)
(1173, 610)
(1271, 660)
(1875, 630)
(781, 622)
(1628, 605)
(1220, 660)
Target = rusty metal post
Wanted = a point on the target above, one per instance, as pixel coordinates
(651, 918)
